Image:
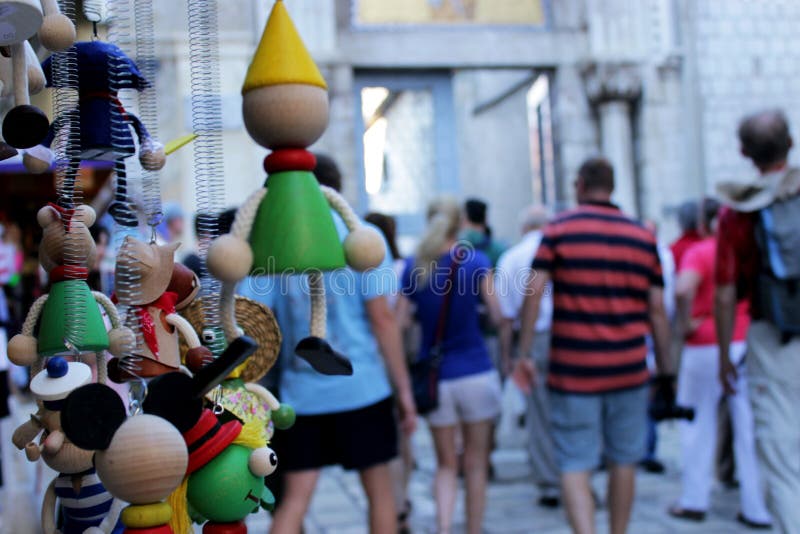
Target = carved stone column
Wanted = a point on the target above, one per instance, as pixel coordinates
(612, 88)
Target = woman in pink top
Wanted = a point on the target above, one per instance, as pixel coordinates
(700, 388)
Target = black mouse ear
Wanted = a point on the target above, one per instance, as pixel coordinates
(170, 396)
(91, 415)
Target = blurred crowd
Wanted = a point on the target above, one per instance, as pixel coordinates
(586, 333)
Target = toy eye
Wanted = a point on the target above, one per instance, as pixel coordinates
(209, 336)
(263, 462)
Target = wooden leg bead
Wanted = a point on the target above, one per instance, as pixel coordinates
(225, 528)
(146, 515)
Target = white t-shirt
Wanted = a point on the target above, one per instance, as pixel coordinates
(511, 277)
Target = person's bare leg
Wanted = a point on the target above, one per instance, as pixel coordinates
(621, 487)
(477, 440)
(291, 510)
(377, 482)
(576, 491)
(446, 483)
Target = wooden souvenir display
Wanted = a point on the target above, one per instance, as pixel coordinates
(286, 226)
(228, 458)
(24, 125)
(140, 460)
(84, 502)
(165, 288)
(68, 318)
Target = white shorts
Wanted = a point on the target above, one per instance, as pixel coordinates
(467, 399)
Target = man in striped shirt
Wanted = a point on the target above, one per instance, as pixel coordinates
(607, 296)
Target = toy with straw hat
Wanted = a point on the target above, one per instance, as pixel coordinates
(287, 226)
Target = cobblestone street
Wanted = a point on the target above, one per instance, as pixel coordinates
(340, 507)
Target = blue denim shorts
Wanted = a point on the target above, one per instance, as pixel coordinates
(609, 425)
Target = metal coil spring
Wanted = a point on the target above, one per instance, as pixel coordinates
(66, 151)
(127, 278)
(208, 150)
(146, 60)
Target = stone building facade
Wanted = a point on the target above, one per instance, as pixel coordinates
(503, 104)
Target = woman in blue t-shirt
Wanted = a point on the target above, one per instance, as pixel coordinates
(469, 386)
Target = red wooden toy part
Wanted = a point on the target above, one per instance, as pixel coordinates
(290, 159)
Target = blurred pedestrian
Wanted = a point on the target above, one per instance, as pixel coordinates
(477, 232)
(511, 278)
(445, 283)
(758, 257)
(607, 296)
(402, 466)
(650, 462)
(690, 231)
(341, 420)
(699, 387)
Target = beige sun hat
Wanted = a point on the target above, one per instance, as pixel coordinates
(143, 271)
(258, 322)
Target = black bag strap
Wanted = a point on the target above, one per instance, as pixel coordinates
(441, 323)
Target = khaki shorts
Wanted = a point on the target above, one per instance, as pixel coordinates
(468, 399)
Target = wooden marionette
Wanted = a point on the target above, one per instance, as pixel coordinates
(67, 321)
(164, 288)
(287, 226)
(228, 457)
(25, 125)
(83, 502)
(107, 129)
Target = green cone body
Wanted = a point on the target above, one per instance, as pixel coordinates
(293, 229)
(71, 313)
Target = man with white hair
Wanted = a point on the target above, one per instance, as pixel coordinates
(512, 273)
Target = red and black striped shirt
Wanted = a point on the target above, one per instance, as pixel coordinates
(603, 265)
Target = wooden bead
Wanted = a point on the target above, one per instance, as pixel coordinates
(285, 116)
(145, 461)
(290, 159)
(22, 350)
(229, 258)
(364, 248)
(146, 515)
(57, 32)
(225, 528)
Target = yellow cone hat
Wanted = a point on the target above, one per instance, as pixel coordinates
(281, 56)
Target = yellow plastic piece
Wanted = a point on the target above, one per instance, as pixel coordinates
(146, 515)
(179, 142)
(281, 56)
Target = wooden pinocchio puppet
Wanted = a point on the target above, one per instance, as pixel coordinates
(83, 502)
(286, 227)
